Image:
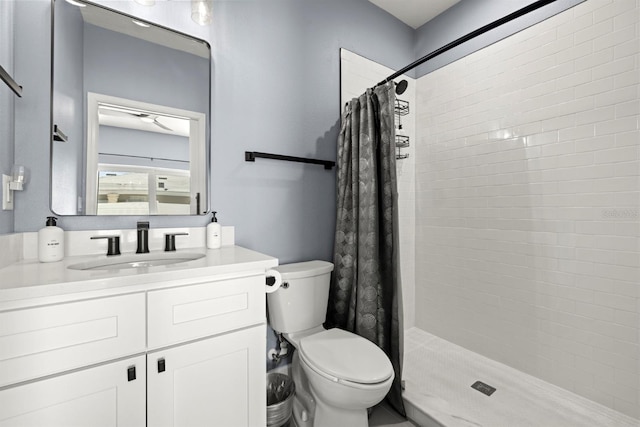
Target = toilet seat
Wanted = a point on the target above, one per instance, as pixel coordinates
(344, 357)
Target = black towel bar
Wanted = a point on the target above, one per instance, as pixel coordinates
(250, 156)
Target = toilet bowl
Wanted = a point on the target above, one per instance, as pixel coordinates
(338, 374)
(347, 374)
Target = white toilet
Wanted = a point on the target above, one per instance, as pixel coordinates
(338, 375)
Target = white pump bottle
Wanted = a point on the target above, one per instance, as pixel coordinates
(50, 242)
(214, 233)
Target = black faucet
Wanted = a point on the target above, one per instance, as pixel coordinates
(143, 237)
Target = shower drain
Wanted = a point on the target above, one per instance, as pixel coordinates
(483, 388)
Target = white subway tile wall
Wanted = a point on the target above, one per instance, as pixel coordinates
(527, 169)
(11, 245)
(356, 75)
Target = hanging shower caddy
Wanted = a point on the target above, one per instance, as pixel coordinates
(402, 141)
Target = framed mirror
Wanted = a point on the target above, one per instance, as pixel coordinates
(130, 114)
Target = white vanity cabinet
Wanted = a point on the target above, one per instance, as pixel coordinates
(218, 381)
(102, 396)
(204, 308)
(40, 341)
(48, 349)
(178, 352)
(217, 377)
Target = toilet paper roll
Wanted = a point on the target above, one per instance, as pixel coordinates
(278, 281)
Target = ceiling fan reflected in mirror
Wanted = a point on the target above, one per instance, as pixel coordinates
(149, 119)
(110, 115)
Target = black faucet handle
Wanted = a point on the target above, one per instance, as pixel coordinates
(170, 241)
(143, 237)
(113, 244)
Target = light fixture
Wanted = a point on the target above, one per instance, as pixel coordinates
(201, 11)
(14, 182)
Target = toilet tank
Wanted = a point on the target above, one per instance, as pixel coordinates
(301, 302)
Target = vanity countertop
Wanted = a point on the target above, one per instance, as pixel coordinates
(31, 283)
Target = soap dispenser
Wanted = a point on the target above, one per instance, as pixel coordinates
(214, 233)
(50, 241)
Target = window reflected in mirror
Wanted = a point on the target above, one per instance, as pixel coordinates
(142, 159)
(138, 190)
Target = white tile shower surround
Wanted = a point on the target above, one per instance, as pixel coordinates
(438, 377)
(11, 251)
(528, 202)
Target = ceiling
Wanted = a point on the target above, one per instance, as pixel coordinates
(414, 12)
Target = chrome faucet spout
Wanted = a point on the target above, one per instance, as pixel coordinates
(143, 237)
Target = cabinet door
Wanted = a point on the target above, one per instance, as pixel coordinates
(102, 396)
(41, 341)
(219, 381)
(200, 310)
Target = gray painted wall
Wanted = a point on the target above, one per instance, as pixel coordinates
(469, 15)
(6, 105)
(275, 88)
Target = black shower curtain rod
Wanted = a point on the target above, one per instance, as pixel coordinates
(495, 24)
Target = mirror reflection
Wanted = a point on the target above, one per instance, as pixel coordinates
(130, 103)
(143, 158)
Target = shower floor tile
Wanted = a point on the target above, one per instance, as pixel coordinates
(438, 377)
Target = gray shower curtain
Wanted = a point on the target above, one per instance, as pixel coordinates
(365, 288)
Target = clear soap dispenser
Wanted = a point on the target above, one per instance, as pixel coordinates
(50, 242)
(214, 233)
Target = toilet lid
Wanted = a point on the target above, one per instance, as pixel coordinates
(346, 356)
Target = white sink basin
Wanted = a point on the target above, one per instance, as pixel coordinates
(119, 262)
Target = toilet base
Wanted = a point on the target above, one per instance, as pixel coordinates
(304, 404)
(309, 411)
